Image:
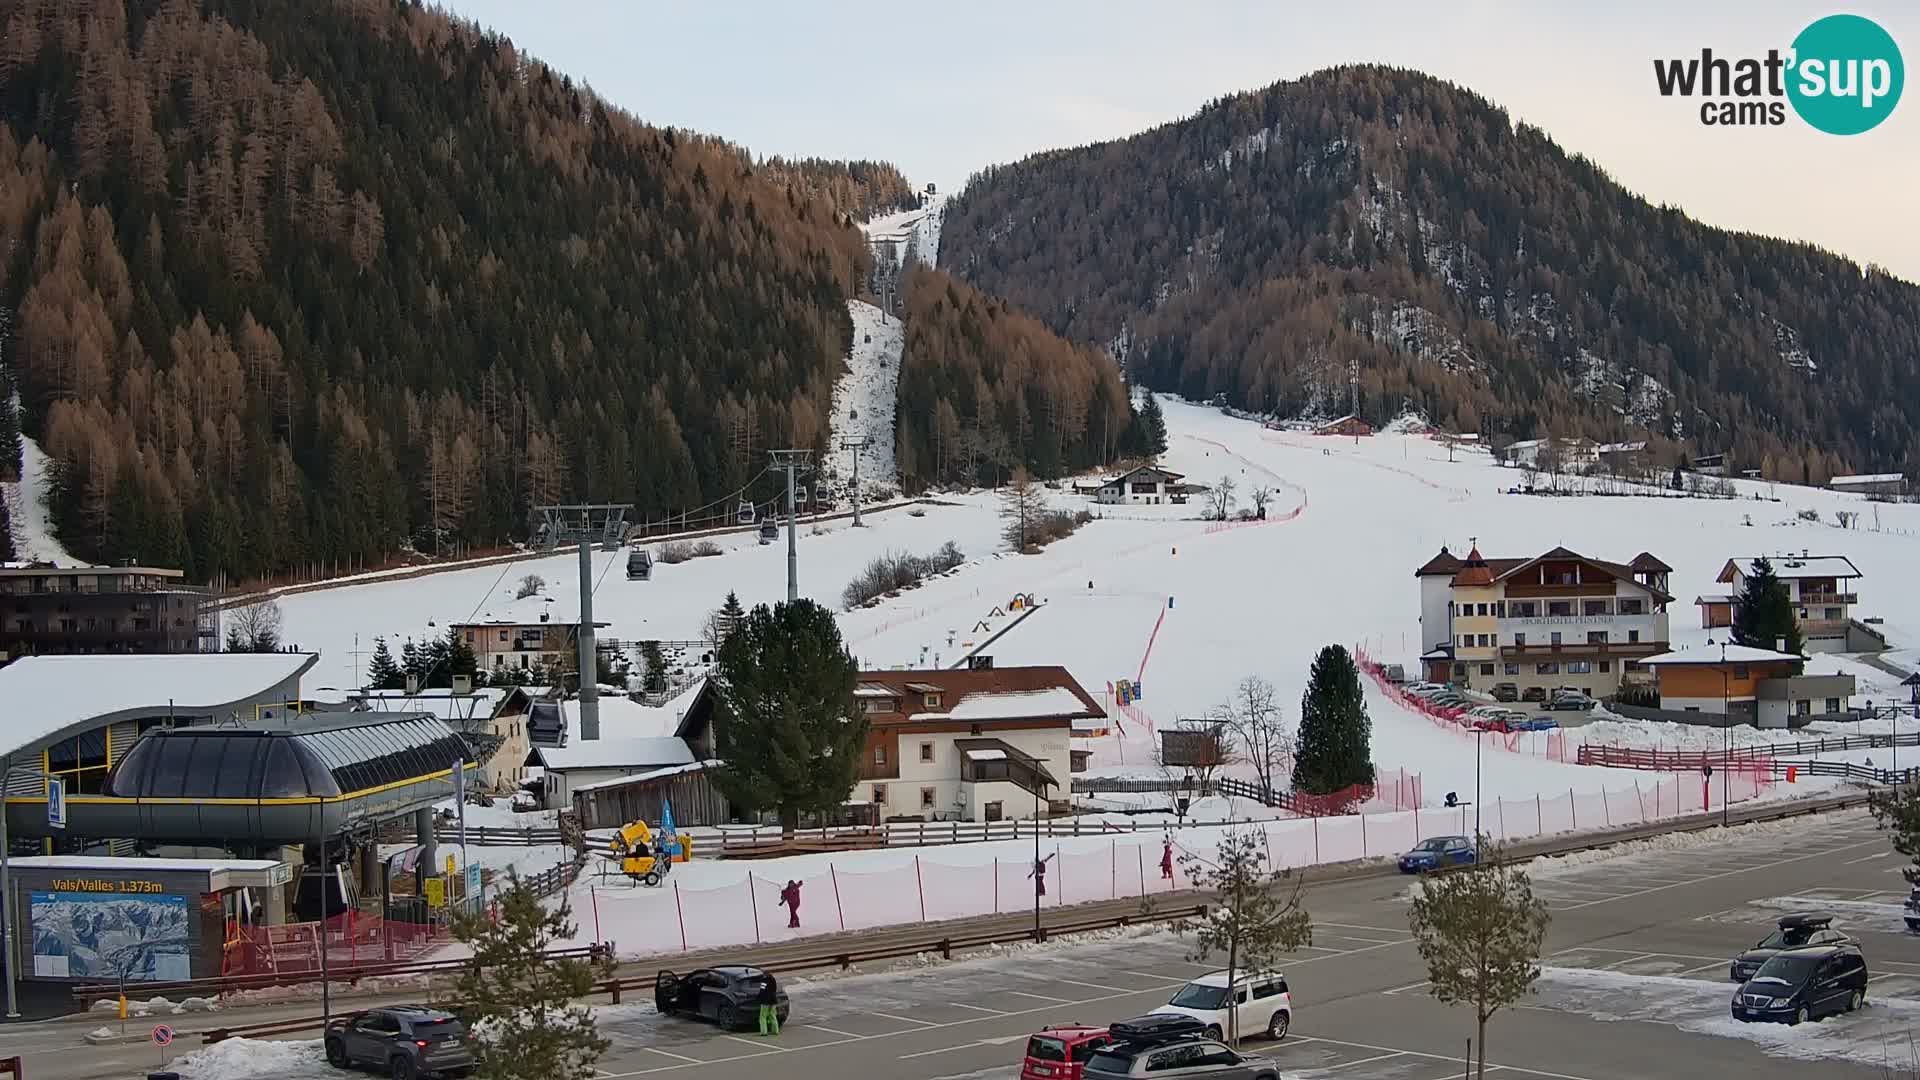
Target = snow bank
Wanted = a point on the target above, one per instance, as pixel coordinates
(250, 1059)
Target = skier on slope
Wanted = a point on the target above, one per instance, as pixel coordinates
(790, 899)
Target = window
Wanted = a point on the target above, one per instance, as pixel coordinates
(1480, 609)
(1555, 637)
(1594, 607)
(1482, 640)
(1632, 606)
(880, 794)
(1526, 609)
(879, 755)
(926, 751)
(1500, 609)
(877, 704)
(1739, 671)
(994, 813)
(469, 637)
(1596, 637)
(1833, 613)
(1833, 704)
(1486, 669)
(1606, 666)
(1633, 636)
(1466, 641)
(1459, 671)
(503, 636)
(1265, 990)
(1520, 640)
(1548, 668)
(1803, 707)
(1560, 607)
(1579, 667)
(1513, 669)
(933, 701)
(926, 798)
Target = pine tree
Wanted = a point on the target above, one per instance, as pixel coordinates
(413, 662)
(1335, 750)
(1153, 428)
(382, 672)
(1480, 928)
(1763, 612)
(525, 1020)
(786, 724)
(7, 551)
(730, 614)
(654, 681)
(460, 657)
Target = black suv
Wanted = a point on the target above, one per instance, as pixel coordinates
(1795, 931)
(1167, 1047)
(403, 1041)
(1804, 984)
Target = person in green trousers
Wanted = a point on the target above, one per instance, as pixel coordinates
(769, 1008)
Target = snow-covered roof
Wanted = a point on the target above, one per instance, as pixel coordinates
(650, 774)
(615, 754)
(987, 755)
(1016, 704)
(1622, 447)
(872, 690)
(481, 704)
(1711, 654)
(51, 694)
(115, 863)
(1713, 598)
(1799, 566)
(1868, 478)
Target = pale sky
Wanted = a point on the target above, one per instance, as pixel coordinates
(944, 89)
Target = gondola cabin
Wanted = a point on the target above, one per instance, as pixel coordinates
(769, 531)
(639, 565)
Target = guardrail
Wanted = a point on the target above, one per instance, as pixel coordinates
(1751, 756)
(946, 946)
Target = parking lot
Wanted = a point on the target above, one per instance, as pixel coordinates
(1634, 984)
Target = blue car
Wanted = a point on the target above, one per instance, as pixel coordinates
(1437, 852)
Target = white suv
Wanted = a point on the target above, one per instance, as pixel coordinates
(1262, 999)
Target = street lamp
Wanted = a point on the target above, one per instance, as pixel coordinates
(1477, 733)
(1726, 735)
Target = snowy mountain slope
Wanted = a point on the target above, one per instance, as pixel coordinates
(33, 538)
(911, 235)
(1252, 600)
(865, 397)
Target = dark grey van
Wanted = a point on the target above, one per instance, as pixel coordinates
(1804, 984)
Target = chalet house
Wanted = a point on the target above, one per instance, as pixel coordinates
(969, 745)
(581, 764)
(1559, 619)
(1349, 426)
(1820, 587)
(1622, 457)
(1889, 485)
(536, 631)
(1749, 685)
(1144, 484)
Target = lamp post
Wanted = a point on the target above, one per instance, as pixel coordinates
(1478, 734)
(1912, 683)
(1726, 735)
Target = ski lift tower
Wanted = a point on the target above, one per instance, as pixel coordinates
(855, 443)
(794, 462)
(585, 524)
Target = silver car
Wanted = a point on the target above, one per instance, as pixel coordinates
(1198, 1059)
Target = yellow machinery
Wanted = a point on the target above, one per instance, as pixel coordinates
(641, 857)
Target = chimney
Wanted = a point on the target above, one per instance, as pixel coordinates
(413, 684)
(1779, 644)
(463, 684)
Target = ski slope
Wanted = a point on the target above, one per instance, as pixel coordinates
(864, 399)
(33, 539)
(1334, 563)
(914, 234)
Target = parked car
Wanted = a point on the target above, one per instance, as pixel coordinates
(1263, 1003)
(728, 996)
(1562, 700)
(1912, 913)
(1506, 691)
(1796, 931)
(403, 1041)
(1060, 1051)
(1186, 1057)
(1534, 693)
(1436, 852)
(1804, 984)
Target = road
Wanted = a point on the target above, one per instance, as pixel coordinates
(1633, 986)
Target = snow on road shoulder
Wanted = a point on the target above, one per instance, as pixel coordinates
(249, 1059)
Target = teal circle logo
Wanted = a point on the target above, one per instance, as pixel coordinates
(1847, 75)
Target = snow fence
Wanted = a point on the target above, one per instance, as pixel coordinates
(859, 891)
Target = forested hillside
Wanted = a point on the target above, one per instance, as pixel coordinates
(984, 388)
(1470, 268)
(296, 282)
(857, 189)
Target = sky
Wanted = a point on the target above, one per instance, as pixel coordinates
(942, 90)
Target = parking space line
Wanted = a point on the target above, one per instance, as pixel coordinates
(760, 1046)
(1368, 940)
(1161, 980)
(1523, 1070)
(1141, 974)
(1703, 967)
(1037, 997)
(1867, 858)
(1726, 874)
(671, 1054)
(1361, 1061)
(997, 1012)
(1357, 926)
(1409, 986)
(835, 1031)
(942, 1050)
(1631, 959)
(905, 1019)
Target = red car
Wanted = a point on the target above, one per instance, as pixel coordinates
(1060, 1052)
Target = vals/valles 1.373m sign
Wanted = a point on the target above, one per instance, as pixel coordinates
(1843, 75)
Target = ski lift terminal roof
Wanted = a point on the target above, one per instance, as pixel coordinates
(56, 697)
